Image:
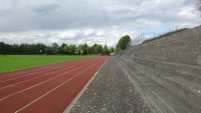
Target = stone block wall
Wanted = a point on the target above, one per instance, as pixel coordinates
(183, 47)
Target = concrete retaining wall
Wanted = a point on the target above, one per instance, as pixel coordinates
(183, 47)
(174, 64)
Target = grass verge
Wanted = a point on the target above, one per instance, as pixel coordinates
(10, 63)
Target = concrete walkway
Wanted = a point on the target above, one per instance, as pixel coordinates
(111, 92)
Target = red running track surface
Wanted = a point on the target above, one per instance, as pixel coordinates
(48, 89)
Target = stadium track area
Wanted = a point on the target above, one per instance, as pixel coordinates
(47, 89)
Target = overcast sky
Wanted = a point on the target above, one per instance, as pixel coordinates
(90, 21)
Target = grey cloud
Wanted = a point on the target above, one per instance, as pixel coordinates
(61, 15)
(6, 7)
(71, 14)
(45, 8)
(4, 13)
(14, 3)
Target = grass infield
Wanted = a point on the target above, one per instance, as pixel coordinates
(10, 63)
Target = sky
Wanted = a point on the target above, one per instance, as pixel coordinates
(91, 21)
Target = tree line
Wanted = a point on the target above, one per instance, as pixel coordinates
(54, 48)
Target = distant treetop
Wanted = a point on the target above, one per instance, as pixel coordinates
(123, 43)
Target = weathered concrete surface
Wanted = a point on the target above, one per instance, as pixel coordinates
(111, 92)
(174, 62)
(183, 47)
(199, 60)
(157, 88)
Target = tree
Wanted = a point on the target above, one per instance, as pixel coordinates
(85, 46)
(98, 49)
(8, 49)
(66, 49)
(40, 48)
(72, 48)
(123, 42)
(89, 50)
(5, 48)
(49, 50)
(82, 48)
(15, 48)
(105, 50)
(55, 48)
(2, 48)
(111, 50)
(61, 49)
(93, 51)
(33, 49)
(117, 50)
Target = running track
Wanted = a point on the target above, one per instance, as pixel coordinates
(47, 89)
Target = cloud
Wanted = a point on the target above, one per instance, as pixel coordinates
(76, 36)
(71, 14)
(6, 6)
(4, 12)
(88, 32)
(89, 21)
(45, 8)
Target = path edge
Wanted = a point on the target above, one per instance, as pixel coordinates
(67, 110)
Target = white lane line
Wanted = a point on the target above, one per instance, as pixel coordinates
(29, 79)
(35, 69)
(26, 70)
(67, 110)
(36, 77)
(40, 83)
(54, 89)
(28, 74)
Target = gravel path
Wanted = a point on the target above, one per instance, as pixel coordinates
(111, 92)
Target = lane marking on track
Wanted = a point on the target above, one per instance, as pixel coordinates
(23, 76)
(29, 79)
(3, 75)
(54, 89)
(28, 74)
(36, 77)
(67, 110)
(41, 83)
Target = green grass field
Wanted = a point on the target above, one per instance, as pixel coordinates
(10, 63)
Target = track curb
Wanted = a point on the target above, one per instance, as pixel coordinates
(67, 110)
